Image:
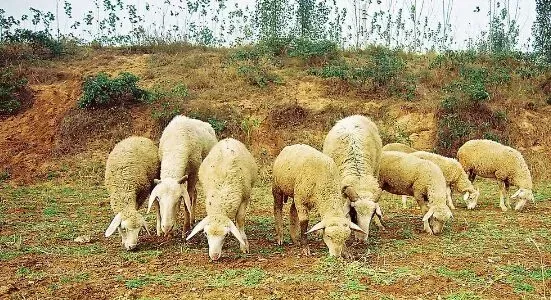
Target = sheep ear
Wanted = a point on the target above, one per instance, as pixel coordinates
(152, 199)
(156, 181)
(466, 196)
(236, 233)
(182, 180)
(428, 214)
(356, 227)
(316, 227)
(200, 226)
(115, 223)
(517, 193)
(350, 193)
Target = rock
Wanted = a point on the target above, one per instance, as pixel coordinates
(83, 239)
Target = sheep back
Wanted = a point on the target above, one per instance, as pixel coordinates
(307, 175)
(227, 175)
(131, 167)
(491, 159)
(398, 147)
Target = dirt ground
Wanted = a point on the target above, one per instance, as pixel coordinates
(51, 192)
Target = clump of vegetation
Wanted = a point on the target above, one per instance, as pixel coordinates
(34, 43)
(314, 52)
(258, 75)
(11, 88)
(103, 91)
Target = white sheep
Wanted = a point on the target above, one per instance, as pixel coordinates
(405, 174)
(311, 178)
(129, 172)
(227, 175)
(455, 176)
(355, 146)
(185, 142)
(398, 147)
(491, 159)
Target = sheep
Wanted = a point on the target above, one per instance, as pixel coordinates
(311, 178)
(405, 174)
(355, 146)
(185, 142)
(227, 175)
(491, 159)
(455, 176)
(398, 147)
(129, 172)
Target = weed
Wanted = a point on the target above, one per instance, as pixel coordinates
(4, 175)
(460, 275)
(463, 296)
(142, 256)
(354, 285)
(253, 276)
(312, 51)
(27, 273)
(79, 277)
(249, 125)
(217, 125)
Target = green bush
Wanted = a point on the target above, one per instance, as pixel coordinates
(11, 86)
(103, 91)
(313, 52)
(258, 76)
(41, 42)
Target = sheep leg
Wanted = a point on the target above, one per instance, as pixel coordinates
(449, 197)
(404, 201)
(294, 223)
(187, 225)
(304, 237)
(502, 195)
(472, 175)
(278, 214)
(240, 223)
(507, 198)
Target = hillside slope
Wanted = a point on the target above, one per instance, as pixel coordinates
(300, 109)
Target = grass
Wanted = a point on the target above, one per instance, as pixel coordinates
(393, 258)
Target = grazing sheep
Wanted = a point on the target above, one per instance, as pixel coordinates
(355, 146)
(129, 172)
(405, 174)
(491, 159)
(183, 145)
(455, 176)
(227, 175)
(398, 147)
(311, 178)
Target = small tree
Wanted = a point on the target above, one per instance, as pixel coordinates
(541, 30)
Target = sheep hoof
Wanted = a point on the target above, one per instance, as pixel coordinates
(503, 208)
(306, 251)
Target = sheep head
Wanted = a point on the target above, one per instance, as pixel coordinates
(216, 228)
(523, 195)
(366, 208)
(168, 194)
(471, 198)
(336, 231)
(435, 218)
(129, 226)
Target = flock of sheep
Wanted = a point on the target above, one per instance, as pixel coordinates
(343, 183)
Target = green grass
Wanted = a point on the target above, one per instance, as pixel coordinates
(463, 296)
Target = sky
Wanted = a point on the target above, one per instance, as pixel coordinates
(466, 22)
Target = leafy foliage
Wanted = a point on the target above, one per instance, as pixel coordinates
(541, 30)
(258, 75)
(11, 86)
(41, 43)
(102, 91)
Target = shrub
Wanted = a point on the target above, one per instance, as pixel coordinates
(258, 76)
(314, 52)
(11, 87)
(42, 44)
(102, 91)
